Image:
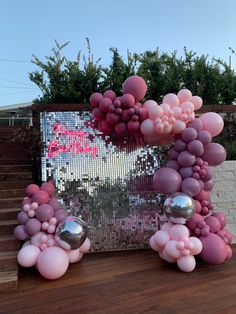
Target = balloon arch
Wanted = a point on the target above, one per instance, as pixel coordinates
(191, 226)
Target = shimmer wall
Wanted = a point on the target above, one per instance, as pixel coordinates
(107, 184)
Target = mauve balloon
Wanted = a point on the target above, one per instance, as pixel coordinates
(180, 145)
(189, 134)
(185, 159)
(173, 154)
(196, 124)
(214, 249)
(167, 181)
(190, 186)
(186, 172)
(205, 137)
(196, 148)
(173, 164)
(214, 154)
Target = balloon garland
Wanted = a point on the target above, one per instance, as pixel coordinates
(52, 239)
(192, 227)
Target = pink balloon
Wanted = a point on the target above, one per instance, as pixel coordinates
(161, 238)
(173, 164)
(32, 226)
(60, 215)
(85, 246)
(221, 217)
(214, 249)
(110, 94)
(112, 118)
(36, 239)
(179, 232)
(190, 186)
(178, 126)
(196, 246)
(136, 86)
(167, 226)
(121, 128)
(31, 189)
(177, 112)
(95, 99)
(28, 255)
(153, 244)
(204, 136)
(203, 195)
(184, 95)
(180, 145)
(52, 263)
(189, 134)
(48, 187)
(167, 180)
(54, 203)
(127, 101)
(192, 222)
(166, 257)
(229, 252)
(40, 197)
(171, 99)
(213, 223)
(186, 263)
(196, 124)
(44, 212)
(22, 217)
(212, 122)
(154, 111)
(214, 154)
(98, 114)
(74, 255)
(147, 127)
(197, 102)
(171, 249)
(196, 148)
(185, 159)
(19, 232)
(104, 104)
(186, 172)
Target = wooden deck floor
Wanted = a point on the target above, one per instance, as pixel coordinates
(126, 282)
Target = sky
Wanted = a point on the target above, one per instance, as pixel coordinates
(29, 27)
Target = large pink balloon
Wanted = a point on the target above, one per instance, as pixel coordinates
(40, 197)
(214, 154)
(184, 95)
(171, 99)
(147, 127)
(212, 122)
(28, 255)
(48, 187)
(197, 102)
(31, 189)
(136, 86)
(214, 249)
(53, 262)
(167, 180)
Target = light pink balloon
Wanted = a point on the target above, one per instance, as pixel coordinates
(171, 249)
(166, 257)
(177, 112)
(36, 239)
(74, 255)
(184, 95)
(161, 238)
(28, 255)
(197, 102)
(85, 246)
(152, 108)
(52, 263)
(167, 226)
(178, 126)
(147, 127)
(179, 232)
(166, 108)
(171, 99)
(197, 245)
(212, 122)
(186, 263)
(153, 244)
(187, 107)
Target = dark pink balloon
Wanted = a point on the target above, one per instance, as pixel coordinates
(19, 232)
(185, 159)
(121, 128)
(40, 197)
(192, 222)
(125, 115)
(44, 212)
(221, 217)
(31, 189)
(189, 134)
(203, 195)
(167, 181)
(127, 101)
(228, 235)
(112, 108)
(48, 187)
(173, 154)
(119, 111)
(117, 102)
(213, 223)
(143, 114)
(60, 215)
(136, 86)
(22, 217)
(32, 226)
(98, 114)
(133, 126)
(198, 206)
(196, 148)
(214, 154)
(173, 164)
(214, 249)
(54, 203)
(105, 104)
(208, 185)
(209, 174)
(110, 94)
(180, 145)
(190, 186)
(106, 127)
(112, 118)
(186, 172)
(95, 99)
(205, 137)
(196, 124)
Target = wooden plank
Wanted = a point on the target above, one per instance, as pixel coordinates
(8, 281)
(9, 213)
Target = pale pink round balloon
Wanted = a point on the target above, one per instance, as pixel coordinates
(186, 263)
(36, 239)
(161, 238)
(212, 122)
(147, 127)
(52, 263)
(28, 255)
(197, 102)
(153, 244)
(171, 99)
(85, 246)
(197, 245)
(166, 257)
(184, 95)
(178, 126)
(171, 249)
(179, 232)
(74, 255)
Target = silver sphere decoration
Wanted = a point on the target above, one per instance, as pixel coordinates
(179, 205)
(71, 233)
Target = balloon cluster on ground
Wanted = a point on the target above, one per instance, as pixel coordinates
(52, 238)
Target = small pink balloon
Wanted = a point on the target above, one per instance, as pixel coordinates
(48, 187)
(60, 215)
(212, 122)
(34, 205)
(177, 112)
(136, 86)
(221, 217)
(178, 126)
(74, 255)
(196, 246)
(186, 263)
(45, 225)
(153, 110)
(104, 104)
(95, 99)
(213, 223)
(147, 127)
(40, 197)
(171, 99)
(190, 186)
(31, 189)
(98, 114)
(44, 212)
(153, 244)
(20, 233)
(52, 263)
(166, 257)
(36, 239)
(127, 101)
(161, 238)
(28, 255)
(197, 102)
(110, 94)
(22, 217)
(167, 226)
(53, 221)
(26, 207)
(179, 232)
(184, 95)
(51, 229)
(167, 180)
(32, 226)
(31, 213)
(171, 249)
(54, 203)
(85, 246)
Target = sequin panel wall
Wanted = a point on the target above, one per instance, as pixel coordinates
(108, 185)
